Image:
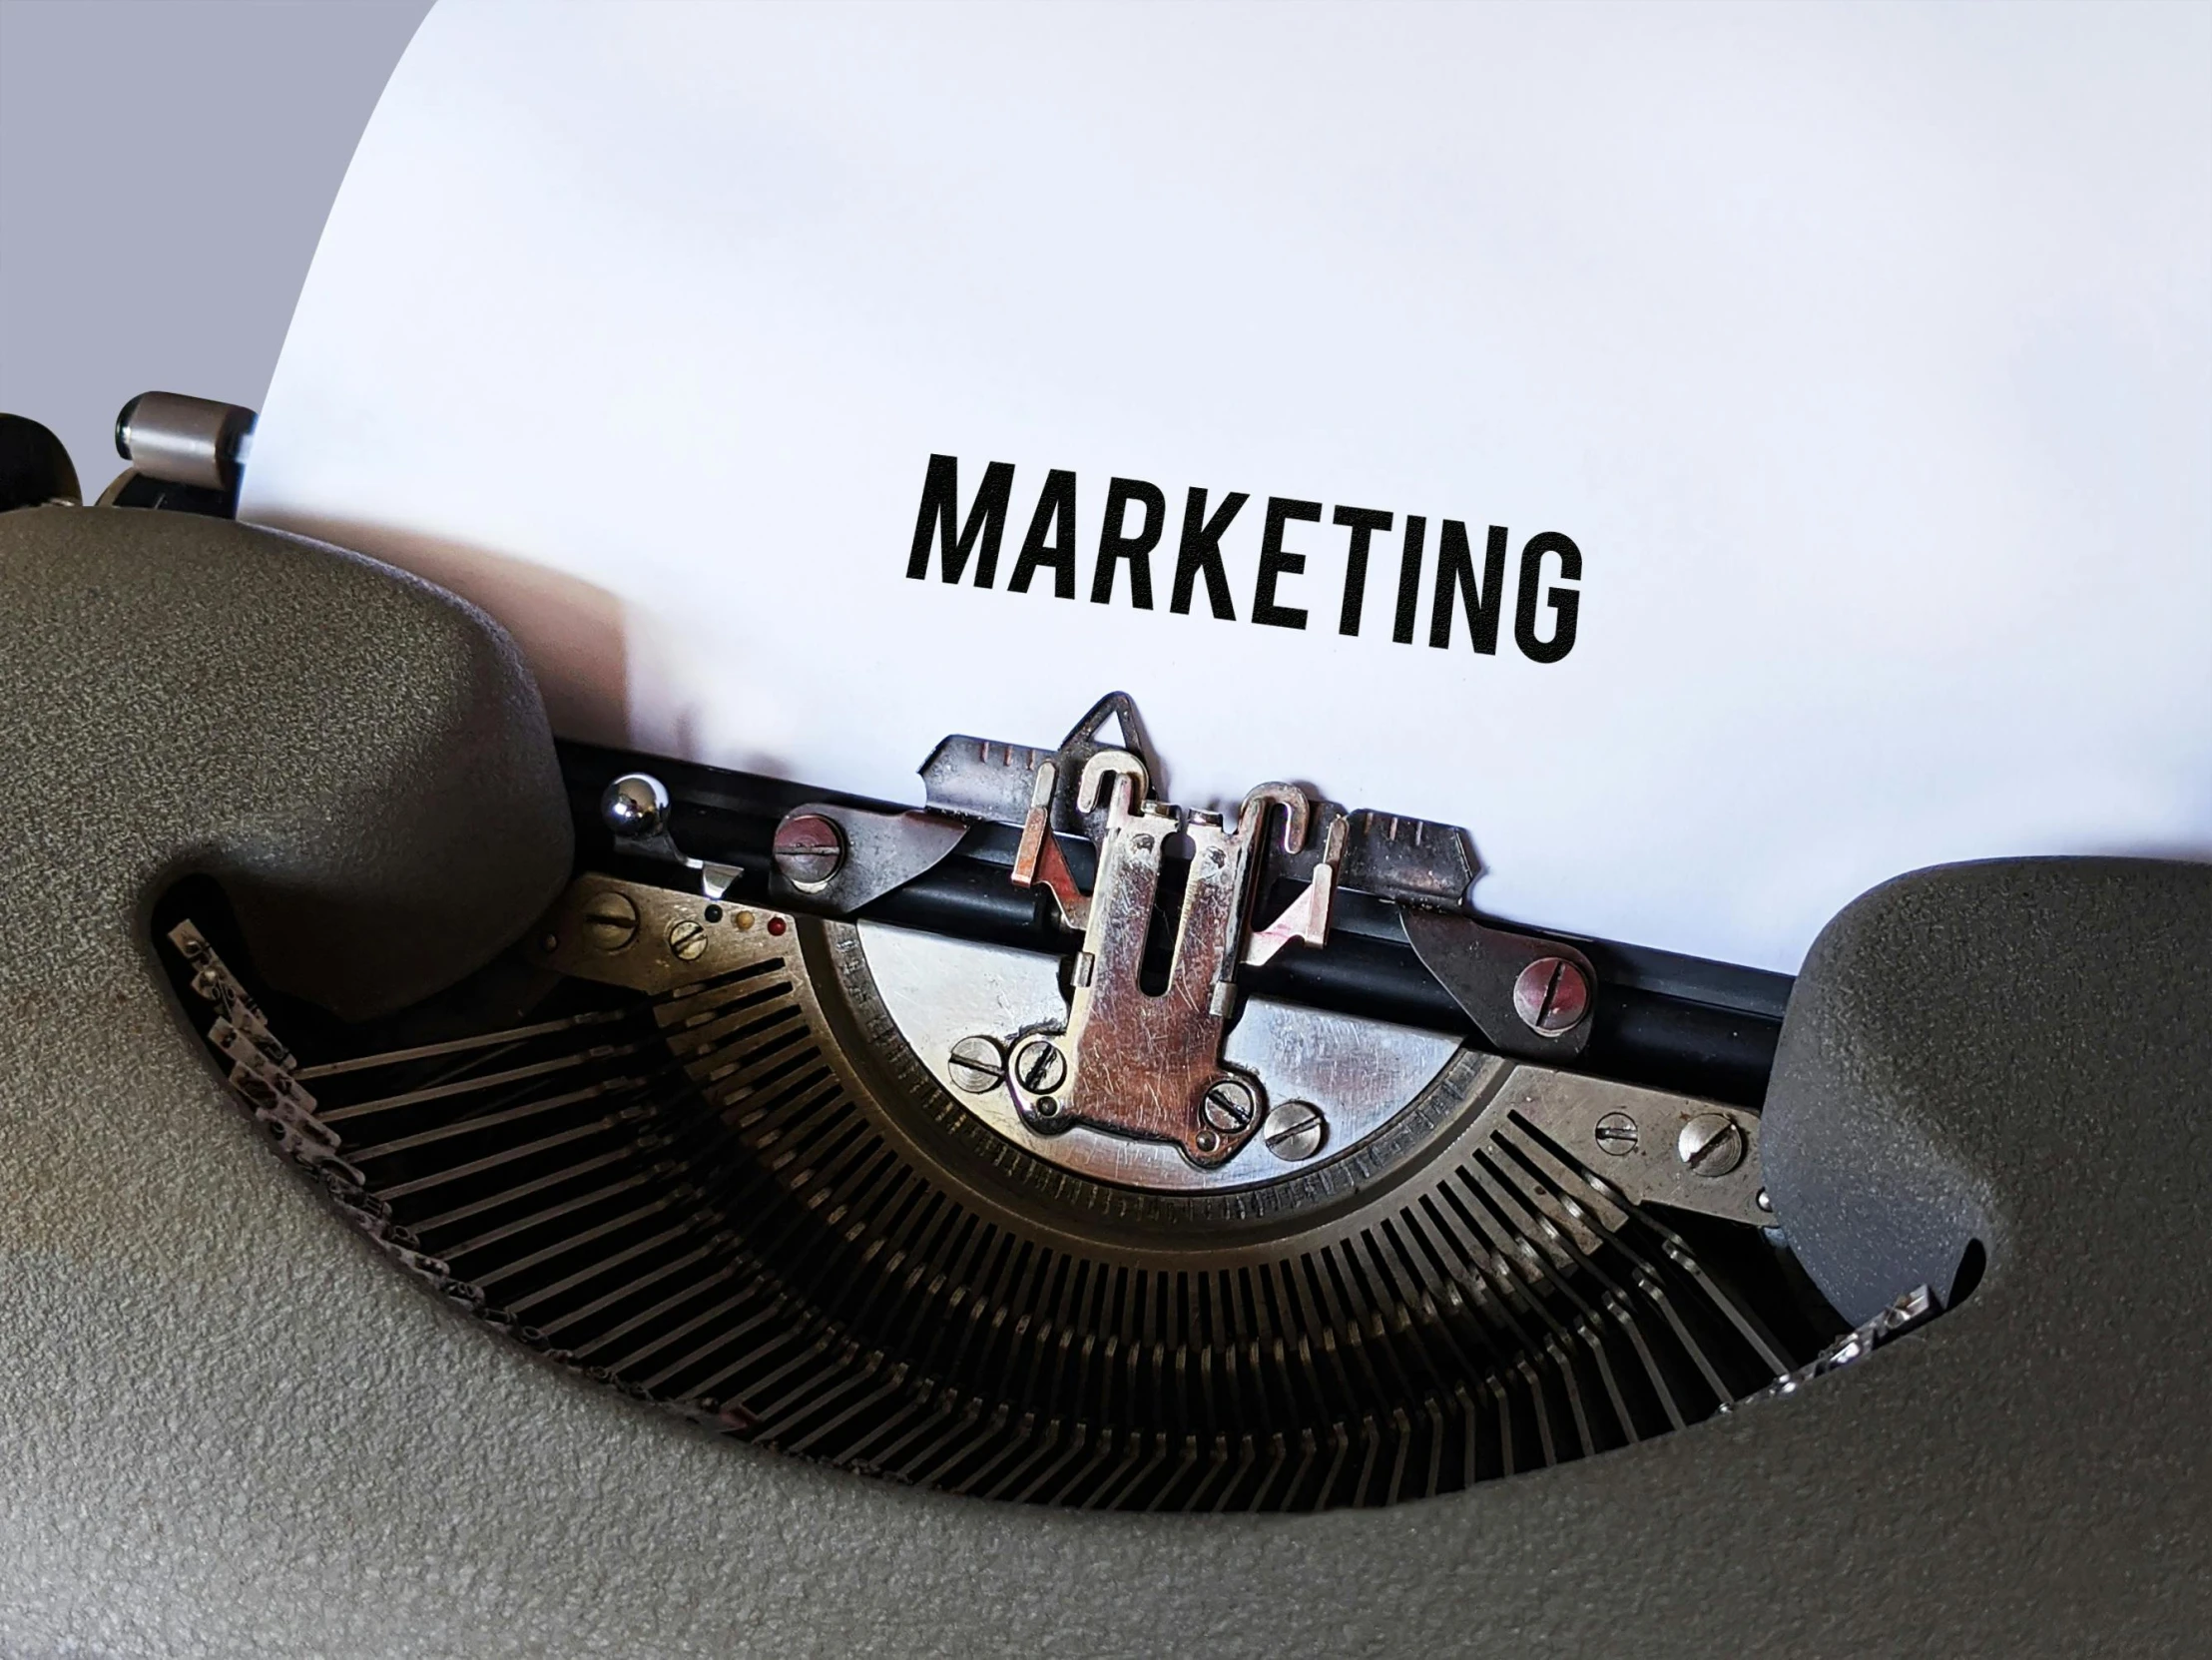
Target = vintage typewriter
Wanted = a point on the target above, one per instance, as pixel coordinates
(1042, 1142)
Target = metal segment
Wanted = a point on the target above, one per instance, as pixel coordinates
(756, 1206)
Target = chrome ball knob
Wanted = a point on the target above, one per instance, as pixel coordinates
(636, 804)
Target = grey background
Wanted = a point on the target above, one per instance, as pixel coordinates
(165, 166)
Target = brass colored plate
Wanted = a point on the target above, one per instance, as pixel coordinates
(653, 940)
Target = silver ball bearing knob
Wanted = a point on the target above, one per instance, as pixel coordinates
(636, 804)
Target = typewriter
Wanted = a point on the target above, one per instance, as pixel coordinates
(1037, 1146)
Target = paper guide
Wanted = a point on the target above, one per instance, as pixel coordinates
(1844, 379)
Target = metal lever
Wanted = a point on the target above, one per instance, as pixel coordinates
(1038, 858)
(1526, 996)
(840, 857)
(635, 808)
(1304, 920)
(1128, 1061)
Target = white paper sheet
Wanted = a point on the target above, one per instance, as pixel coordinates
(1864, 355)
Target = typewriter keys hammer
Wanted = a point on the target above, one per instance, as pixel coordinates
(1169, 906)
(1129, 1060)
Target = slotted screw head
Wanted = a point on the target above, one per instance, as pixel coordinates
(1039, 1067)
(1616, 1134)
(1551, 996)
(809, 850)
(687, 939)
(1710, 1144)
(977, 1064)
(636, 804)
(1296, 1130)
(1228, 1105)
(610, 922)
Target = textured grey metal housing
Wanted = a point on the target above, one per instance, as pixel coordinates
(227, 1427)
(2015, 1054)
(359, 756)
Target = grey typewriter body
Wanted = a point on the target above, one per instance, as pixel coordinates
(729, 1220)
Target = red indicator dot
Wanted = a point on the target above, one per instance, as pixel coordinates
(774, 925)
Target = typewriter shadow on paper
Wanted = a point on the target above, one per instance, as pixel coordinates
(573, 633)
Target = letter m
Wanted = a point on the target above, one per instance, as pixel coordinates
(941, 512)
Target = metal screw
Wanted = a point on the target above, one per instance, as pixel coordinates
(636, 804)
(977, 1064)
(1296, 1130)
(1710, 1145)
(1551, 996)
(1228, 1105)
(687, 939)
(1616, 1134)
(611, 921)
(809, 850)
(1039, 1067)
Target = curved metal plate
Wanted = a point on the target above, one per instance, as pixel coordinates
(1360, 1073)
